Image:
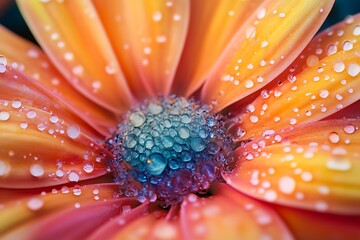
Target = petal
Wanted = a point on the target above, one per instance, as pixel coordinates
(352, 111)
(41, 144)
(263, 51)
(40, 215)
(151, 226)
(71, 34)
(148, 37)
(324, 83)
(313, 225)
(312, 166)
(111, 228)
(228, 215)
(29, 59)
(209, 20)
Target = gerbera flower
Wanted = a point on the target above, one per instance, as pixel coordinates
(180, 120)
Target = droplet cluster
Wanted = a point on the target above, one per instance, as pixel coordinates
(168, 148)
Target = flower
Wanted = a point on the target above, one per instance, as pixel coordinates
(291, 107)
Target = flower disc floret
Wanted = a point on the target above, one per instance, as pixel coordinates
(168, 148)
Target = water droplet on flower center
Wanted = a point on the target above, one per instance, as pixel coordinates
(168, 148)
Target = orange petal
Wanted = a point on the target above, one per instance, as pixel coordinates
(313, 166)
(326, 81)
(72, 35)
(42, 144)
(270, 40)
(209, 20)
(313, 225)
(40, 215)
(228, 215)
(148, 37)
(29, 59)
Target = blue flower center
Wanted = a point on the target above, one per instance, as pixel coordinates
(168, 148)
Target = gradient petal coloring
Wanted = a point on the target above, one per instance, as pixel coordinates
(209, 21)
(59, 203)
(313, 166)
(325, 80)
(229, 215)
(42, 144)
(148, 38)
(29, 59)
(259, 52)
(71, 33)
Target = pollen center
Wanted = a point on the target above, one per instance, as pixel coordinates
(168, 148)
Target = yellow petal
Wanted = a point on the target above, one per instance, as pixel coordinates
(269, 41)
(313, 166)
(148, 37)
(229, 214)
(212, 25)
(29, 59)
(325, 79)
(71, 34)
(42, 144)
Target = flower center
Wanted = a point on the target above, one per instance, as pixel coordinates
(168, 148)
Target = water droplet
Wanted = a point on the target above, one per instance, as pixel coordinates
(339, 67)
(73, 177)
(197, 144)
(334, 137)
(137, 119)
(131, 140)
(287, 185)
(4, 116)
(350, 129)
(35, 203)
(157, 16)
(4, 168)
(270, 195)
(37, 170)
(31, 114)
(184, 132)
(73, 131)
(88, 166)
(16, 104)
(338, 164)
(156, 164)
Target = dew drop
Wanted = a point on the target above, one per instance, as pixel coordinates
(338, 164)
(334, 137)
(35, 203)
(156, 164)
(339, 67)
(88, 167)
(4, 168)
(73, 177)
(37, 170)
(31, 114)
(197, 144)
(350, 129)
(16, 104)
(4, 116)
(137, 119)
(353, 69)
(287, 185)
(73, 131)
(270, 195)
